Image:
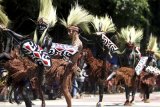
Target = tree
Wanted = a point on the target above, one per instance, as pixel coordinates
(131, 12)
(123, 12)
(155, 20)
(19, 11)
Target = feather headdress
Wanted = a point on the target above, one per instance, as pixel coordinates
(4, 21)
(48, 14)
(78, 17)
(153, 46)
(103, 24)
(130, 35)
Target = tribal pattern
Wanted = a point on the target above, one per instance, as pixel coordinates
(109, 44)
(153, 70)
(35, 52)
(62, 50)
(141, 64)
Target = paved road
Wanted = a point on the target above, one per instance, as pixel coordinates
(113, 100)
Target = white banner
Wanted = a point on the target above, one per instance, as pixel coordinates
(108, 43)
(141, 64)
(35, 52)
(153, 70)
(65, 50)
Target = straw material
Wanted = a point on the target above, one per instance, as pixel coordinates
(130, 35)
(103, 24)
(48, 14)
(79, 17)
(4, 21)
(153, 46)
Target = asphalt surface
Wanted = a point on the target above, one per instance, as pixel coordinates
(114, 100)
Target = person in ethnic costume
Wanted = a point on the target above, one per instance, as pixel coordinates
(129, 40)
(78, 18)
(31, 49)
(152, 51)
(150, 72)
(102, 26)
(4, 22)
(47, 18)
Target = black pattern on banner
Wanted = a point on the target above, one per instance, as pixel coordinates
(36, 53)
(62, 50)
(108, 43)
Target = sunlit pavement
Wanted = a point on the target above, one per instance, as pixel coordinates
(91, 101)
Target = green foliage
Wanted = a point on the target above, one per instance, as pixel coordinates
(123, 12)
(131, 12)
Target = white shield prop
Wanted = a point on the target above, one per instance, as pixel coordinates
(62, 50)
(141, 64)
(36, 53)
(153, 70)
(108, 43)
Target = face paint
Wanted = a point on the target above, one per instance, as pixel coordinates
(41, 26)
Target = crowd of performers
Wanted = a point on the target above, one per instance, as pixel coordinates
(37, 61)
